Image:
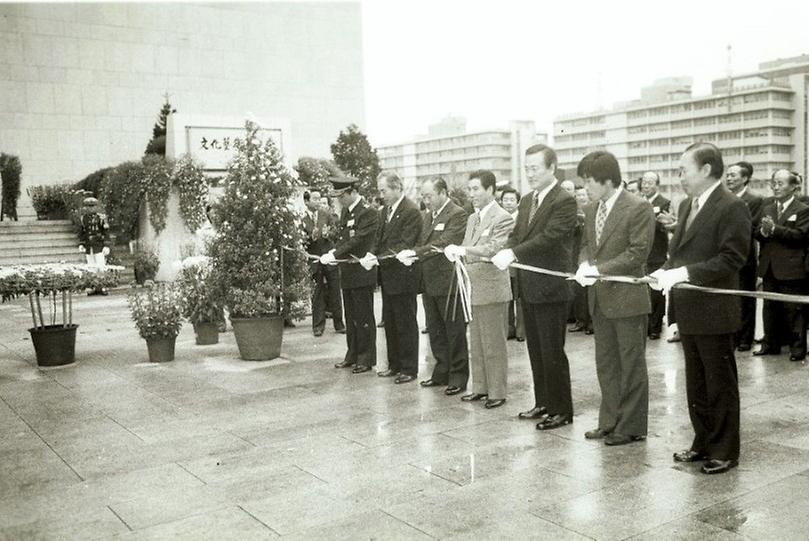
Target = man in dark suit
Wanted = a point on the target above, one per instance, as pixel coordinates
(783, 235)
(358, 225)
(400, 230)
(579, 307)
(650, 189)
(543, 237)
(444, 224)
(708, 248)
(618, 234)
(736, 179)
(318, 226)
(510, 201)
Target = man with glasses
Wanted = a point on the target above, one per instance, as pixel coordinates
(782, 234)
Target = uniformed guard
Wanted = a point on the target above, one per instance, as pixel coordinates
(94, 237)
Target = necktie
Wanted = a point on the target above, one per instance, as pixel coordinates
(692, 214)
(390, 213)
(601, 219)
(476, 223)
(534, 207)
(780, 207)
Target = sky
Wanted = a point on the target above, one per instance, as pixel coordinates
(502, 60)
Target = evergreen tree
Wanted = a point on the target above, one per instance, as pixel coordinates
(158, 143)
(315, 172)
(357, 158)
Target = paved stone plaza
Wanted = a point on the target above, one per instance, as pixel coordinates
(210, 446)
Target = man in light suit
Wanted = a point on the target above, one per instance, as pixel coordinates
(486, 232)
(650, 189)
(618, 233)
(400, 230)
(318, 226)
(737, 179)
(444, 224)
(543, 237)
(783, 235)
(708, 249)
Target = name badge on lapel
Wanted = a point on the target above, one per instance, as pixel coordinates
(350, 222)
(792, 218)
(351, 233)
(656, 210)
(486, 232)
(439, 227)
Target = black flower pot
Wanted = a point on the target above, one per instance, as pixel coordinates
(161, 348)
(55, 345)
(258, 339)
(207, 334)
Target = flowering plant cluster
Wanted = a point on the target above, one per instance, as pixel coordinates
(201, 304)
(16, 280)
(192, 187)
(258, 262)
(156, 309)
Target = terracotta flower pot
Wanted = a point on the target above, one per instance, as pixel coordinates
(259, 339)
(206, 333)
(55, 345)
(161, 348)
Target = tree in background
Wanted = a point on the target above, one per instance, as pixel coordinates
(354, 155)
(11, 171)
(316, 172)
(158, 143)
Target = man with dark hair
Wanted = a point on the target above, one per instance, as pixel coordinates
(543, 237)
(580, 306)
(510, 201)
(633, 187)
(618, 235)
(400, 230)
(318, 226)
(650, 189)
(783, 235)
(358, 224)
(487, 230)
(708, 248)
(736, 179)
(444, 224)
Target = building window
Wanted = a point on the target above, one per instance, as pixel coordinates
(755, 115)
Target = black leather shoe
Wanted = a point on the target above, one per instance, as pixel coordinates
(424, 331)
(578, 327)
(554, 421)
(318, 333)
(767, 351)
(744, 347)
(388, 373)
(621, 439)
(473, 397)
(359, 369)
(494, 403)
(595, 434)
(533, 413)
(713, 466)
(344, 364)
(520, 339)
(689, 456)
(431, 383)
(797, 358)
(453, 390)
(380, 325)
(340, 331)
(588, 331)
(288, 324)
(404, 378)
(674, 338)
(654, 336)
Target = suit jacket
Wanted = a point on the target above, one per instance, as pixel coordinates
(546, 242)
(754, 205)
(623, 250)
(357, 237)
(660, 247)
(783, 251)
(316, 242)
(713, 250)
(437, 273)
(483, 239)
(400, 233)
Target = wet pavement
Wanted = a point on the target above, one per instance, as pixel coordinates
(210, 446)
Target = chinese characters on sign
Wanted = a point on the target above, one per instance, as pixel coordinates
(215, 146)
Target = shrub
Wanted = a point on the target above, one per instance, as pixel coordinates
(156, 310)
(52, 201)
(122, 191)
(92, 182)
(257, 255)
(145, 265)
(11, 170)
(201, 304)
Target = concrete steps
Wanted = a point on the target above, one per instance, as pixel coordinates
(38, 242)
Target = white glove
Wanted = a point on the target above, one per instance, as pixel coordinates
(81, 248)
(369, 261)
(328, 258)
(453, 252)
(105, 251)
(503, 259)
(666, 279)
(406, 257)
(585, 270)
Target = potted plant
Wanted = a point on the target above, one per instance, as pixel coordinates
(145, 265)
(53, 333)
(157, 312)
(201, 306)
(258, 264)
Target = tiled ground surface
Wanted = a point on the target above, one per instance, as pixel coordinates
(213, 447)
